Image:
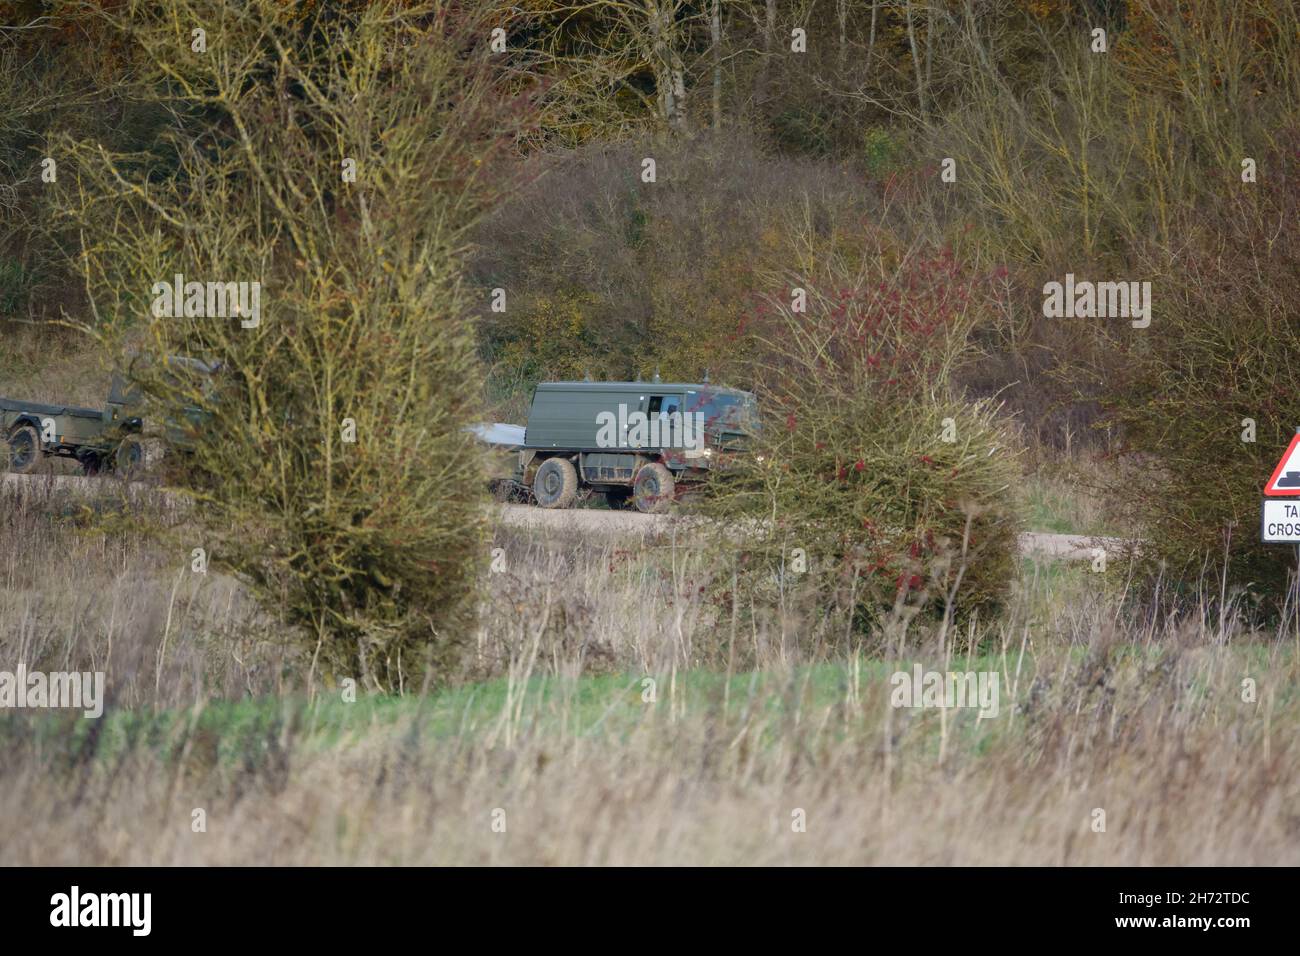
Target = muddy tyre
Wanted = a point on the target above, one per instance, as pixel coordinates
(654, 489)
(128, 461)
(556, 483)
(24, 450)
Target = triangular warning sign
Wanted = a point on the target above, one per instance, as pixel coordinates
(1286, 476)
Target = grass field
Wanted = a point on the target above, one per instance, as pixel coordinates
(753, 745)
(1006, 283)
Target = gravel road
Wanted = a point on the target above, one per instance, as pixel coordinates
(1068, 547)
(37, 489)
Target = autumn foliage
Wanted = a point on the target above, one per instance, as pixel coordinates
(893, 487)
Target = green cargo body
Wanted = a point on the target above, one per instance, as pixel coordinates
(33, 430)
(61, 423)
(646, 441)
(567, 415)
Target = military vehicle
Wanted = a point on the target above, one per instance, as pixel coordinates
(107, 439)
(97, 438)
(640, 441)
(502, 444)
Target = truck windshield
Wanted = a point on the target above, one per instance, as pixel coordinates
(727, 412)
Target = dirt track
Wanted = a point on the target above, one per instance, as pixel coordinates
(36, 489)
(1069, 547)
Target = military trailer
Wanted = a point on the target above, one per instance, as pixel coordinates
(100, 439)
(640, 441)
(502, 444)
(97, 438)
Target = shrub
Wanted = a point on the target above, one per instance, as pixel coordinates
(367, 547)
(893, 486)
(15, 284)
(1222, 348)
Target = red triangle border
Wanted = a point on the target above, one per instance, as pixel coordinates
(1277, 473)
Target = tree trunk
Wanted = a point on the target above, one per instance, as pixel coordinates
(871, 39)
(715, 34)
(843, 11)
(669, 73)
(929, 47)
(769, 48)
(916, 57)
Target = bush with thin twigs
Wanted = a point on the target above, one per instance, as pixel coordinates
(328, 456)
(893, 487)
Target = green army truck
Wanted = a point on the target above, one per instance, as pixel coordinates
(99, 439)
(640, 441)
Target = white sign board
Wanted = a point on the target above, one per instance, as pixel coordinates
(1280, 521)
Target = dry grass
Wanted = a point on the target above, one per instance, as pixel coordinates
(1142, 719)
(40, 365)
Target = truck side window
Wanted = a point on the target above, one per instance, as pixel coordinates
(655, 401)
(671, 404)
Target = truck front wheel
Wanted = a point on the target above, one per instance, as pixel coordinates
(24, 449)
(556, 483)
(653, 489)
(128, 462)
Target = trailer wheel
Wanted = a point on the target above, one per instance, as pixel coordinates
(653, 489)
(556, 483)
(24, 449)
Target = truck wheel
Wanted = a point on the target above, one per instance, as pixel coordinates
(653, 489)
(129, 460)
(556, 483)
(24, 449)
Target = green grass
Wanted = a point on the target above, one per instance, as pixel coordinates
(600, 705)
(1062, 506)
(603, 706)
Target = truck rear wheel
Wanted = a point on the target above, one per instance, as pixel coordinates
(653, 489)
(556, 483)
(91, 463)
(24, 449)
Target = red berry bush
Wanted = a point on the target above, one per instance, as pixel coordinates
(874, 483)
